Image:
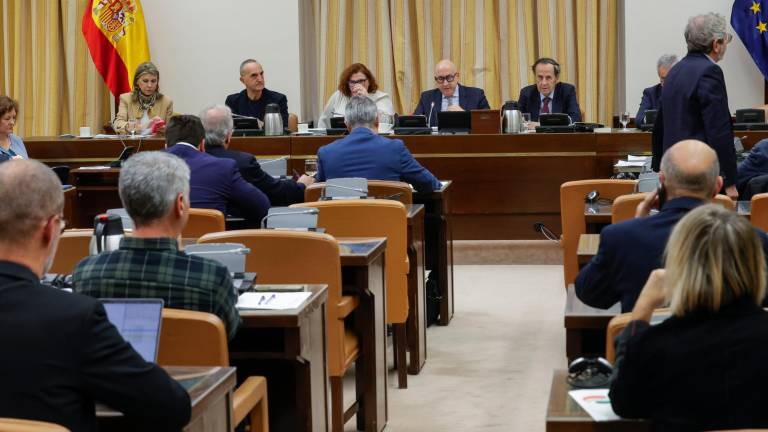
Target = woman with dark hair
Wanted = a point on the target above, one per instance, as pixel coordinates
(145, 106)
(703, 368)
(11, 146)
(355, 80)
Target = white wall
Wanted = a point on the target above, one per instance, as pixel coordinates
(655, 27)
(198, 47)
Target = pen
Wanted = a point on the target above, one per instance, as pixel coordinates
(270, 299)
(261, 300)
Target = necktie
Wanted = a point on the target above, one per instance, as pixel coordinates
(545, 105)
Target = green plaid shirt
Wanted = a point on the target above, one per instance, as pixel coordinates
(155, 268)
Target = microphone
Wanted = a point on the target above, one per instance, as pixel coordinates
(243, 116)
(311, 211)
(241, 251)
(362, 192)
(431, 107)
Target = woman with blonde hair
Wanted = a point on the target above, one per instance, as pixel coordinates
(149, 109)
(705, 367)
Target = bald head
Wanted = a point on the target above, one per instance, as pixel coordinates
(446, 77)
(691, 168)
(30, 194)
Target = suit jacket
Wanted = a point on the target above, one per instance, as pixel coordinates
(280, 192)
(63, 354)
(756, 164)
(629, 251)
(650, 101)
(363, 153)
(694, 104)
(163, 108)
(563, 101)
(217, 184)
(240, 104)
(469, 98)
(702, 371)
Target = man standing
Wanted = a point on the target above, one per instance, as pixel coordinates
(548, 95)
(61, 354)
(449, 94)
(363, 153)
(652, 95)
(253, 100)
(217, 122)
(694, 103)
(154, 189)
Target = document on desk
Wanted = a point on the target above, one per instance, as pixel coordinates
(272, 300)
(596, 403)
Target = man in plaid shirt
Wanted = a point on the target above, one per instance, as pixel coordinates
(154, 189)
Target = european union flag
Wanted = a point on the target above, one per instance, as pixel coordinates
(748, 18)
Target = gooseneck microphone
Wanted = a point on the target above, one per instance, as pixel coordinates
(431, 107)
(338, 186)
(287, 213)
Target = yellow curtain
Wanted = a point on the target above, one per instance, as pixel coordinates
(492, 42)
(46, 67)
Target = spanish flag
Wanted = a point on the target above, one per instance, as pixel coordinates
(117, 39)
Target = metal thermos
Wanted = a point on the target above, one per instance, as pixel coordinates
(511, 118)
(273, 122)
(107, 233)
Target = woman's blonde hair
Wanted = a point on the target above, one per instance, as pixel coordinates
(713, 257)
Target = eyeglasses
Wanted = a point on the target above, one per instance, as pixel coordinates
(356, 82)
(448, 78)
(62, 223)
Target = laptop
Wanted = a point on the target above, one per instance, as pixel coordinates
(138, 322)
(454, 122)
(338, 127)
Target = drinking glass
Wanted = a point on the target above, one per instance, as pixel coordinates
(385, 122)
(526, 122)
(310, 167)
(131, 126)
(624, 120)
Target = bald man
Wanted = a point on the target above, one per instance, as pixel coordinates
(253, 100)
(449, 95)
(630, 250)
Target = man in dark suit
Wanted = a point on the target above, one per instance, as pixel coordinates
(215, 183)
(61, 352)
(449, 94)
(694, 103)
(363, 153)
(652, 95)
(548, 95)
(217, 122)
(253, 100)
(630, 250)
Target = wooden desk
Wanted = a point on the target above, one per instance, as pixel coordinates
(70, 206)
(362, 275)
(96, 193)
(416, 326)
(288, 347)
(210, 390)
(565, 415)
(587, 248)
(585, 327)
(600, 213)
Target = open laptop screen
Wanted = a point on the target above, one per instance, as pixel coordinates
(138, 321)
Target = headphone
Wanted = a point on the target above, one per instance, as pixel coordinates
(587, 372)
(549, 61)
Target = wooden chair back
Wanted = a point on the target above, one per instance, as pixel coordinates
(616, 326)
(203, 221)
(624, 206)
(73, 246)
(725, 201)
(192, 338)
(374, 218)
(572, 215)
(19, 425)
(759, 215)
(376, 188)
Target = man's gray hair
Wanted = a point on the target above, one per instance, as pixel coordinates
(702, 30)
(247, 62)
(149, 184)
(360, 112)
(30, 193)
(666, 61)
(702, 182)
(218, 124)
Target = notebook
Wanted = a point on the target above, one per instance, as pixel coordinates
(138, 321)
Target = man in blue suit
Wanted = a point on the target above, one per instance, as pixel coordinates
(215, 183)
(694, 103)
(549, 95)
(652, 95)
(449, 94)
(363, 153)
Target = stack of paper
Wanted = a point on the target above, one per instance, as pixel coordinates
(272, 300)
(596, 403)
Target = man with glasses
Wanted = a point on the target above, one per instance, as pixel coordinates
(548, 95)
(253, 100)
(449, 94)
(694, 103)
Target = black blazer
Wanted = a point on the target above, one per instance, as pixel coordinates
(469, 98)
(699, 372)
(650, 101)
(563, 101)
(61, 355)
(280, 192)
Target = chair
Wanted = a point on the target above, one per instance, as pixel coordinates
(572, 215)
(616, 326)
(759, 215)
(725, 201)
(203, 221)
(18, 425)
(277, 257)
(377, 218)
(192, 338)
(376, 188)
(293, 122)
(624, 206)
(74, 245)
